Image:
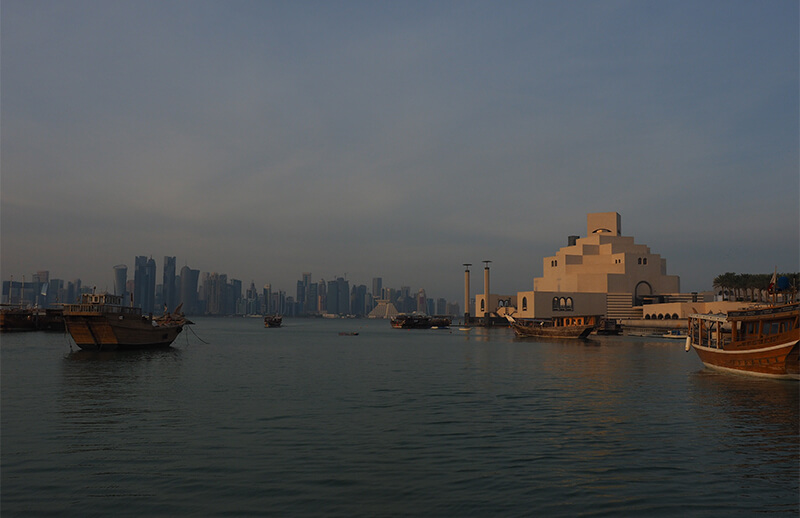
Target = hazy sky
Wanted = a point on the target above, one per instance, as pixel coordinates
(396, 139)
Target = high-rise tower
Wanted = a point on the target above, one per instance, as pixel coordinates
(169, 287)
(120, 279)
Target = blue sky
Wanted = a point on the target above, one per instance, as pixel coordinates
(396, 139)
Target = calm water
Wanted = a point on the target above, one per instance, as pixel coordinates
(300, 421)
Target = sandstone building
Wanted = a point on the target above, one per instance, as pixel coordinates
(604, 273)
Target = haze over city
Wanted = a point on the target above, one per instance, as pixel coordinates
(396, 140)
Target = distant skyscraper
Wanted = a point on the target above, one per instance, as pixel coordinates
(150, 294)
(269, 308)
(322, 296)
(120, 280)
(169, 288)
(188, 291)
(144, 278)
(377, 287)
(235, 292)
(422, 302)
(358, 300)
(215, 287)
(139, 280)
(312, 298)
(333, 298)
(344, 296)
(301, 292)
(252, 307)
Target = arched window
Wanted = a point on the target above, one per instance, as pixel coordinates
(660, 316)
(524, 303)
(562, 303)
(644, 261)
(555, 303)
(667, 316)
(640, 260)
(647, 317)
(569, 303)
(675, 316)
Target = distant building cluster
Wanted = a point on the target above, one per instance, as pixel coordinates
(214, 294)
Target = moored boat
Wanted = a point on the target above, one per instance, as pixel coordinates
(412, 321)
(440, 322)
(101, 323)
(273, 321)
(608, 326)
(555, 327)
(17, 318)
(761, 341)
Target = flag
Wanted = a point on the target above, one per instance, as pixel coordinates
(772, 282)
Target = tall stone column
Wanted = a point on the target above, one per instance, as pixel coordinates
(466, 292)
(486, 293)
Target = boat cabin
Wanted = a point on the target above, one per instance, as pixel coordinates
(746, 328)
(101, 303)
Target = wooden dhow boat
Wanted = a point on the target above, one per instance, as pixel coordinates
(440, 322)
(411, 321)
(760, 341)
(273, 321)
(554, 327)
(17, 318)
(101, 323)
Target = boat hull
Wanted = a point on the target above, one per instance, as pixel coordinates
(780, 361)
(525, 331)
(411, 322)
(102, 334)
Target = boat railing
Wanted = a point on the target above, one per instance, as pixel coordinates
(102, 308)
(707, 330)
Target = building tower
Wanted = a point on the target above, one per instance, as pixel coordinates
(169, 287)
(150, 291)
(120, 279)
(344, 295)
(188, 291)
(139, 280)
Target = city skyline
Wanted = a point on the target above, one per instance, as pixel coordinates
(401, 140)
(216, 293)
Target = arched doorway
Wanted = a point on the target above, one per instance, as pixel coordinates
(643, 289)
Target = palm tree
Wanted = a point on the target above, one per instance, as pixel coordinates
(725, 283)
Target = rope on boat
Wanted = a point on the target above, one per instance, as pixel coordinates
(195, 334)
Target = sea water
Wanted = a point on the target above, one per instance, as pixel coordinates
(239, 420)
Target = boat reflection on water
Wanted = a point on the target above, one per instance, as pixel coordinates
(122, 356)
